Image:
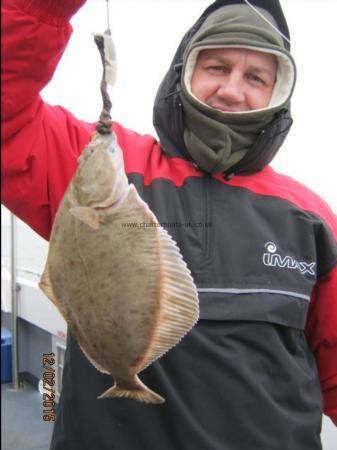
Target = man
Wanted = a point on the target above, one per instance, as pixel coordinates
(259, 367)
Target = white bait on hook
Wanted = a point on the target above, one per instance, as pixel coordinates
(109, 58)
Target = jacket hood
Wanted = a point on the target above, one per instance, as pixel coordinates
(218, 29)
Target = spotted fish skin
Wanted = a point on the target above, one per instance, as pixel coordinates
(125, 292)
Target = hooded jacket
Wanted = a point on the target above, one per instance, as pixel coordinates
(227, 24)
(259, 368)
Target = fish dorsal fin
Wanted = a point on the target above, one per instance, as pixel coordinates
(86, 215)
(179, 305)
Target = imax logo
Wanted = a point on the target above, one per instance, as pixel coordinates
(273, 259)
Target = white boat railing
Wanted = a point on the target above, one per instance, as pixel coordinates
(20, 293)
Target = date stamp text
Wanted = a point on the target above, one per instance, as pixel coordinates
(48, 362)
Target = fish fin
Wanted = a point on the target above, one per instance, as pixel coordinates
(86, 215)
(179, 305)
(46, 287)
(134, 389)
(93, 362)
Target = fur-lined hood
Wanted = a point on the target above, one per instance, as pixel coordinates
(168, 114)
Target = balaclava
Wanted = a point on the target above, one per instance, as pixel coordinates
(217, 140)
(240, 142)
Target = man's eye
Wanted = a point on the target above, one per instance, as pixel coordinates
(256, 79)
(218, 69)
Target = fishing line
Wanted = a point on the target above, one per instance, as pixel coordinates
(266, 20)
(108, 57)
(108, 16)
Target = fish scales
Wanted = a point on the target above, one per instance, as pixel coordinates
(125, 291)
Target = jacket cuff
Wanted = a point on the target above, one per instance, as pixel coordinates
(53, 12)
(330, 402)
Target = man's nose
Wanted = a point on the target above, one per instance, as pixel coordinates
(231, 89)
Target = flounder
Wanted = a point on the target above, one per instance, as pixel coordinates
(124, 290)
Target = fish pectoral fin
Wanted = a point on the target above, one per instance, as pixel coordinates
(86, 215)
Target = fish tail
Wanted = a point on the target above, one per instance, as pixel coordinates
(134, 389)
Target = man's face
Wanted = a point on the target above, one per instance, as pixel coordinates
(234, 80)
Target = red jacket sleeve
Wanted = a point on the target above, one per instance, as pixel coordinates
(321, 331)
(40, 143)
